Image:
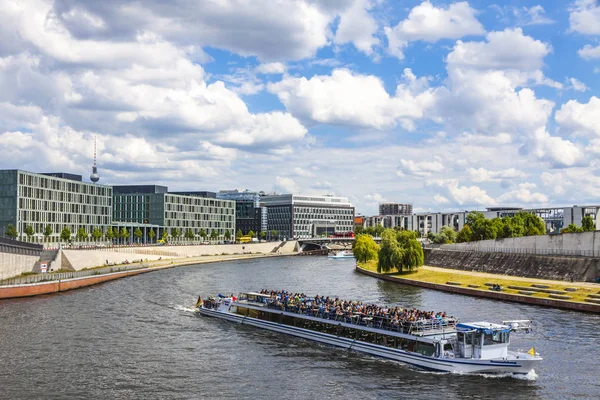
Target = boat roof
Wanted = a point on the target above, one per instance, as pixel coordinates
(257, 294)
(487, 327)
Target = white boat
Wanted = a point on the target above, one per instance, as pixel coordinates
(341, 254)
(438, 345)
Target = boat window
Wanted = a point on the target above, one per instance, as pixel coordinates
(495, 338)
(476, 339)
(448, 347)
(469, 338)
(460, 337)
(426, 349)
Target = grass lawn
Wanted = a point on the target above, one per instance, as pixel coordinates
(465, 278)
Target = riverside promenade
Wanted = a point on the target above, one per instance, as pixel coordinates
(580, 296)
(39, 284)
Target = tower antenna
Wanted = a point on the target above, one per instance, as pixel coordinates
(94, 177)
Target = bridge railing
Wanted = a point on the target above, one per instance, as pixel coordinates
(513, 250)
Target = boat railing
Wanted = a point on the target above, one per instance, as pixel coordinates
(419, 327)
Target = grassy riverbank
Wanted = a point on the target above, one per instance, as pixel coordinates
(476, 281)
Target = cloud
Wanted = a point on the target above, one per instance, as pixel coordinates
(535, 15)
(580, 118)
(484, 175)
(463, 195)
(585, 17)
(358, 27)
(422, 168)
(589, 53)
(428, 23)
(439, 199)
(285, 185)
(350, 99)
(302, 172)
(523, 194)
(322, 185)
(577, 85)
(271, 68)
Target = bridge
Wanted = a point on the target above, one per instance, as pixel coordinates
(338, 243)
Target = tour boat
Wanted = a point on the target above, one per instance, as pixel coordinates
(439, 344)
(341, 254)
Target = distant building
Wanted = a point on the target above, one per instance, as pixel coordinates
(395, 209)
(359, 220)
(55, 200)
(296, 216)
(249, 215)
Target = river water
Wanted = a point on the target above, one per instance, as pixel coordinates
(138, 338)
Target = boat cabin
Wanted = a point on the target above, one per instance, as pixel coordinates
(253, 297)
(482, 340)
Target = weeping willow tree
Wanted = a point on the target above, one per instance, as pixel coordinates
(364, 248)
(390, 252)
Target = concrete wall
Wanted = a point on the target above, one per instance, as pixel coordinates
(526, 265)
(80, 259)
(15, 264)
(583, 243)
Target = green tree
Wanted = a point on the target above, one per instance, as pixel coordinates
(413, 256)
(65, 234)
(378, 230)
(390, 253)
(370, 231)
(513, 227)
(29, 232)
(587, 223)
(11, 231)
(165, 235)
(273, 234)
(81, 234)
(214, 234)
(176, 233)
(124, 234)
(96, 234)
(251, 234)
(365, 248)
(110, 234)
(359, 230)
(189, 234)
(238, 234)
(202, 234)
(263, 235)
(138, 234)
(464, 235)
(571, 228)
(151, 235)
(47, 232)
(227, 235)
(483, 228)
(446, 235)
(498, 225)
(532, 224)
(403, 237)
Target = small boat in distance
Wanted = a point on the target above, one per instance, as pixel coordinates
(425, 339)
(341, 254)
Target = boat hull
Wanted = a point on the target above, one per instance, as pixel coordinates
(442, 364)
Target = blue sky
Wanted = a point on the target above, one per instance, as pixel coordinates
(447, 105)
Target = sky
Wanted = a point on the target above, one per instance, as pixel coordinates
(445, 105)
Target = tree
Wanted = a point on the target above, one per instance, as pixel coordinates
(238, 235)
(483, 228)
(110, 234)
(365, 248)
(81, 234)
(446, 235)
(464, 235)
(214, 234)
(587, 223)
(138, 234)
(227, 235)
(359, 230)
(151, 235)
(404, 236)
(513, 227)
(413, 256)
(96, 234)
(124, 234)
(263, 235)
(251, 234)
(378, 230)
(532, 224)
(47, 232)
(273, 234)
(176, 233)
(571, 228)
(390, 254)
(202, 234)
(165, 235)
(29, 232)
(498, 225)
(370, 231)
(65, 234)
(11, 231)
(189, 234)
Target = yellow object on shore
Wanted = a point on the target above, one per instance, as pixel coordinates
(532, 351)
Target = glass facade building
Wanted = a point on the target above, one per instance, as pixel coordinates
(249, 215)
(56, 200)
(296, 216)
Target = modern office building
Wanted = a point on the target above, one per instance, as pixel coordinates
(556, 218)
(54, 200)
(395, 209)
(249, 215)
(154, 205)
(297, 216)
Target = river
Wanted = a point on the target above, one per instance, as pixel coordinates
(138, 338)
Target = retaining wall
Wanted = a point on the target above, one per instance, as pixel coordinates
(15, 264)
(525, 265)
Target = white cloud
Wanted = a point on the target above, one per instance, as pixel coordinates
(580, 118)
(271, 68)
(484, 175)
(428, 23)
(559, 152)
(463, 195)
(577, 85)
(285, 185)
(524, 195)
(346, 98)
(419, 168)
(357, 26)
(322, 185)
(302, 172)
(585, 17)
(589, 53)
(536, 15)
(439, 199)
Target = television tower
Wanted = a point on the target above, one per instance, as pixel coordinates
(94, 177)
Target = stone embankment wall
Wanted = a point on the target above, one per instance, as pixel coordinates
(15, 264)
(583, 243)
(79, 259)
(526, 265)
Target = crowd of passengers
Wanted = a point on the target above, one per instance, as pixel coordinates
(353, 311)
